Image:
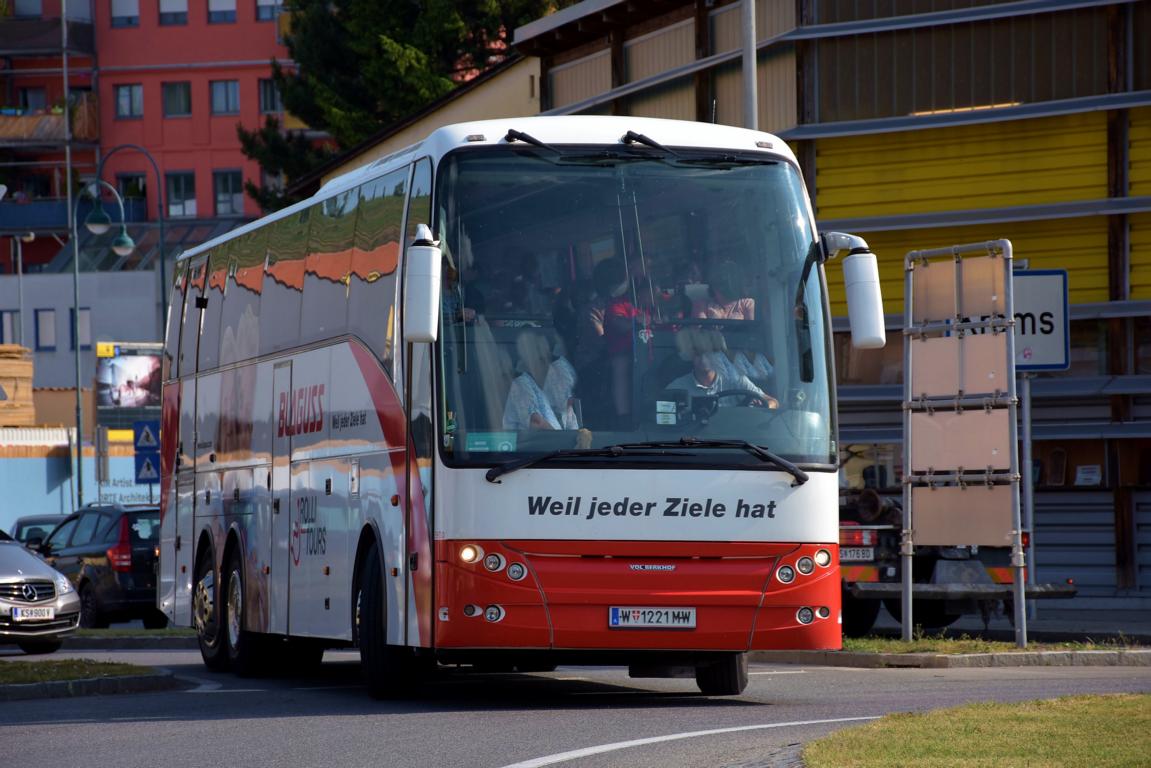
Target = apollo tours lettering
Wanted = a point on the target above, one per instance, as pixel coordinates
(672, 506)
(302, 412)
(309, 537)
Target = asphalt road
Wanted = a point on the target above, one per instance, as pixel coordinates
(576, 717)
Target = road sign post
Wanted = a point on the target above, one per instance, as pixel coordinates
(1042, 343)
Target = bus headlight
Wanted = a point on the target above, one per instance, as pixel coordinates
(805, 615)
(823, 611)
(494, 562)
(516, 571)
(470, 553)
(805, 565)
(785, 573)
(493, 613)
(823, 558)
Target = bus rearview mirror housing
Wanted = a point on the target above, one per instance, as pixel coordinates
(422, 288)
(861, 281)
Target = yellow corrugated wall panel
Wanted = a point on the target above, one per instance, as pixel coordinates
(1139, 147)
(1140, 240)
(660, 51)
(725, 29)
(777, 99)
(582, 79)
(992, 165)
(675, 101)
(1077, 245)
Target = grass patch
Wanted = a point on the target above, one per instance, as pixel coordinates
(12, 672)
(137, 632)
(921, 643)
(1097, 731)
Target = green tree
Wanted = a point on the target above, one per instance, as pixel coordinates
(365, 64)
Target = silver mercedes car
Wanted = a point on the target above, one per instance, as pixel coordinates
(38, 606)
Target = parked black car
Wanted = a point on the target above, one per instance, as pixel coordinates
(109, 554)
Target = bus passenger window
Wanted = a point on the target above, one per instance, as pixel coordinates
(372, 286)
(284, 282)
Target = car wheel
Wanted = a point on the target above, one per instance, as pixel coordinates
(40, 646)
(726, 677)
(387, 668)
(243, 654)
(90, 617)
(206, 616)
(155, 620)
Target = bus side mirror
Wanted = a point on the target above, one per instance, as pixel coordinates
(861, 279)
(422, 288)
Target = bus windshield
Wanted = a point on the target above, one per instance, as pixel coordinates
(594, 297)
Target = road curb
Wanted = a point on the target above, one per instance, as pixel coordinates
(1106, 658)
(97, 686)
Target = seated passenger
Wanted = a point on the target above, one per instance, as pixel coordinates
(528, 405)
(723, 302)
(706, 379)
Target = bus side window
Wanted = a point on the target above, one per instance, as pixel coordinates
(210, 326)
(327, 267)
(419, 200)
(239, 323)
(372, 287)
(284, 282)
(191, 321)
(174, 321)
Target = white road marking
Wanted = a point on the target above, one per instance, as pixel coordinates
(782, 672)
(326, 687)
(575, 754)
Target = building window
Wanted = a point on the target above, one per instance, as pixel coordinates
(221, 11)
(9, 326)
(33, 99)
(45, 330)
(177, 99)
(132, 185)
(229, 189)
(125, 13)
(129, 100)
(85, 327)
(270, 103)
(173, 12)
(225, 97)
(27, 8)
(267, 10)
(181, 194)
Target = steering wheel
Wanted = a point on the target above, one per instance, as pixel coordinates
(746, 399)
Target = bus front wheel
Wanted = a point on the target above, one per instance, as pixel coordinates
(725, 677)
(206, 615)
(387, 671)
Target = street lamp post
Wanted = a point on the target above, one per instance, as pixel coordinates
(159, 219)
(123, 245)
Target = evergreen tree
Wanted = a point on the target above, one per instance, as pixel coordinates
(364, 64)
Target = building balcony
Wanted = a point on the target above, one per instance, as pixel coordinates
(46, 129)
(51, 214)
(42, 37)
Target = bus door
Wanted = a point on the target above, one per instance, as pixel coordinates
(185, 531)
(281, 493)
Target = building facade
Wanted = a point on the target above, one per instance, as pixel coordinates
(922, 125)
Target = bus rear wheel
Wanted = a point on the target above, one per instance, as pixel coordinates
(724, 677)
(243, 653)
(206, 615)
(386, 668)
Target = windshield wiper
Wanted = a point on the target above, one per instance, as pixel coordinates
(725, 161)
(631, 137)
(611, 451)
(759, 451)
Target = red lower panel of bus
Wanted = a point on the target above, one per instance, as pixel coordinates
(565, 598)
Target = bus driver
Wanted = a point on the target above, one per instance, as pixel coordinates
(706, 379)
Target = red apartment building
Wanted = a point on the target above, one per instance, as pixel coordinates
(173, 77)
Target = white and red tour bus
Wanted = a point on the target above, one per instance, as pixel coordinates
(534, 391)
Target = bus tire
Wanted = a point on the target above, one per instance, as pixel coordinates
(725, 677)
(241, 645)
(858, 615)
(206, 615)
(385, 671)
